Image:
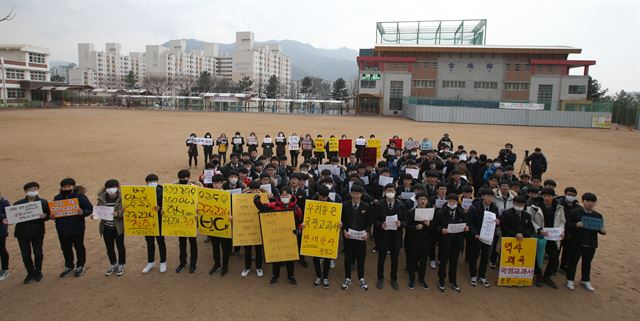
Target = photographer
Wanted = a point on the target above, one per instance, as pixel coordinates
(507, 156)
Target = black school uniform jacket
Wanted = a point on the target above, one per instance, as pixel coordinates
(356, 219)
(476, 216)
(74, 224)
(414, 237)
(442, 218)
(511, 223)
(382, 210)
(35, 228)
(581, 236)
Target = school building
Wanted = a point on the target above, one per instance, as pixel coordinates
(447, 64)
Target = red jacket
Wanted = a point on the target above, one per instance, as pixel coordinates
(279, 206)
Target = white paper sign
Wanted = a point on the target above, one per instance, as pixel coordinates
(103, 213)
(208, 175)
(413, 171)
(201, 141)
(390, 223)
(407, 195)
(466, 203)
(252, 140)
(237, 140)
(391, 152)
(365, 180)
(462, 157)
(456, 228)
(326, 166)
(488, 228)
(361, 142)
(235, 191)
(440, 203)
(294, 143)
(356, 235)
(332, 196)
(266, 187)
(424, 214)
(553, 233)
(267, 140)
(384, 180)
(23, 212)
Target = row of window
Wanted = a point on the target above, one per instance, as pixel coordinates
(15, 93)
(19, 75)
(36, 58)
(455, 84)
(525, 67)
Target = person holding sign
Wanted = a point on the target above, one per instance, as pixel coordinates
(237, 143)
(218, 243)
(516, 221)
(184, 176)
(449, 244)
(418, 241)
(267, 146)
(322, 273)
(552, 216)
(319, 149)
(30, 234)
(583, 240)
(356, 221)
(192, 150)
(4, 254)
(294, 149)
(478, 248)
(389, 218)
(307, 147)
(252, 142)
(223, 146)
(152, 181)
(208, 149)
(254, 188)
(361, 143)
(70, 228)
(281, 144)
(112, 230)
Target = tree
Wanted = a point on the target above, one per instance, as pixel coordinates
(185, 84)
(205, 82)
(156, 84)
(245, 84)
(625, 108)
(10, 16)
(340, 91)
(57, 78)
(131, 80)
(594, 91)
(272, 87)
(306, 85)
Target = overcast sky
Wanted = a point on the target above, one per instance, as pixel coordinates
(607, 31)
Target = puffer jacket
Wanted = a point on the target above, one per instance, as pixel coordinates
(118, 217)
(537, 218)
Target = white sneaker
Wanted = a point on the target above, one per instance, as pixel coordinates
(148, 267)
(333, 264)
(570, 285)
(433, 264)
(259, 273)
(588, 286)
(112, 269)
(245, 272)
(163, 267)
(3, 274)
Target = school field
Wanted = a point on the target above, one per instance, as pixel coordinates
(93, 145)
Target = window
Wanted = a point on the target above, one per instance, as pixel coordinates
(424, 83)
(516, 86)
(38, 75)
(395, 95)
(15, 74)
(367, 84)
(36, 58)
(15, 93)
(545, 95)
(577, 89)
(508, 67)
(517, 68)
(538, 67)
(550, 67)
(453, 84)
(485, 85)
(526, 67)
(434, 65)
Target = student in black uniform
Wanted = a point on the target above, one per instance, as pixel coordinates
(112, 231)
(449, 245)
(267, 146)
(356, 217)
(390, 237)
(30, 234)
(218, 243)
(208, 149)
(237, 143)
(570, 203)
(254, 188)
(281, 145)
(4, 232)
(478, 248)
(322, 272)
(152, 181)
(419, 239)
(192, 150)
(516, 221)
(184, 179)
(318, 154)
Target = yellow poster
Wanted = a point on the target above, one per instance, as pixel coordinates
(321, 233)
(278, 236)
(140, 215)
(214, 212)
(319, 142)
(179, 204)
(601, 121)
(374, 143)
(246, 222)
(517, 261)
(333, 144)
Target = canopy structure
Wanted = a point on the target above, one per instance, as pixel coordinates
(434, 32)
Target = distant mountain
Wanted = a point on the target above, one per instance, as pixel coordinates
(329, 64)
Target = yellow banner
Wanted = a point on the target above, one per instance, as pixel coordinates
(179, 204)
(140, 215)
(333, 144)
(374, 143)
(278, 236)
(246, 222)
(321, 233)
(319, 143)
(517, 261)
(214, 212)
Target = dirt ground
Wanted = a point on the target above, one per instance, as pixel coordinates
(93, 145)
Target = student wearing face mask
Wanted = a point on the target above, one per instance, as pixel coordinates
(477, 248)
(184, 179)
(516, 221)
(267, 146)
(192, 150)
(307, 147)
(389, 237)
(449, 245)
(4, 232)
(71, 228)
(252, 142)
(321, 270)
(152, 181)
(233, 182)
(294, 149)
(112, 231)
(208, 149)
(220, 243)
(281, 144)
(569, 202)
(237, 143)
(356, 217)
(30, 234)
(552, 217)
(223, 146)
(418, 243)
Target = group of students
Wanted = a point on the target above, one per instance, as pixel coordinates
(379, 203)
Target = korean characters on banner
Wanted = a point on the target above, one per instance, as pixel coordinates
(321, 233)
(214, 212)
(517, 261)
(278, 236)
(64, 208)
(140, 215)
(179, 205)
(246, 222)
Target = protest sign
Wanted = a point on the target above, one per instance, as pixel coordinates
(517, 261)
(321, 233)
(140, 215)
(214, 212)
(344, 148)
(64, 208)
(24, 212)
(246, 223)
(279, 237)
(179, 205)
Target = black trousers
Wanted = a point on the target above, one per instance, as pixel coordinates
(276, 269)
(553, 256)
(4, 255)
(294, 158)
(318, 156)
(448, 250)
(481, 250)
(322, 272)
(494, 249)
(111, 241)
(354, 250)
(70, 242)
(194, 158)
(193, 244)
(382, 256)
(33, 265)
(418, 258)
(151, 248)
(247, 256)
(225, 244)
(563, 254)
(222, 157)
(207, 156)
(576, 253)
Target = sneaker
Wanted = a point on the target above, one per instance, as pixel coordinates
(215, 270)
(38, 277)
(111, 270)
(550, 282)
(245, 272)
(63, 274)
(571, 285)
(79, 271)
(374, 250)
(303, 263)
(380, 284)
(363, 284)
(325, 283)
(224, 272)
(485, 283)
(316, 282)
(148, 267)
(292, 281)
(492, 265)
(333, 264)
(120, 271)
(346, 283)
(474, 281)
(273, 282)
(537, 280)
(424, 285)
(259, 273)
(28, 279)
(163, 267)
(587, 286)
(411, 285)
(394, 285)
(455, 287)
(432, 264)
(180, 268)
(193, 268)
(441, 286)
(3, 274)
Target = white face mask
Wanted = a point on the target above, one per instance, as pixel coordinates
(518, 208)
(32, 193)
(285, 200)
(233, 180)
(452, 206)
(329, 186)
(570, 198)
(390, 195)
(472, 160)
(153, 184)
(496, 164)
(304, 171)
(112, 190)
(414, 154)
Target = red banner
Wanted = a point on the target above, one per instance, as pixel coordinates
(398, 142)
(369, 156)
(344, 148)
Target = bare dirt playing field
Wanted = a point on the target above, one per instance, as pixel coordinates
(93, 145)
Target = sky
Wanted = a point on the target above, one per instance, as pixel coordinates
(607, 31)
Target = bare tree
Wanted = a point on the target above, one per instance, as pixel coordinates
(185, 84)
(156, 84)
(9, 16)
